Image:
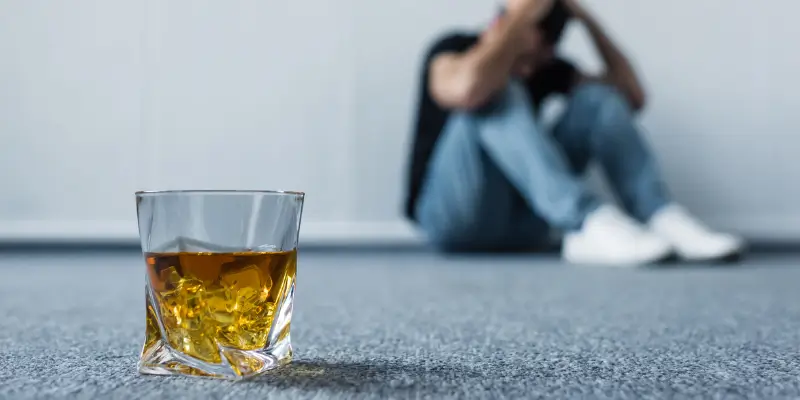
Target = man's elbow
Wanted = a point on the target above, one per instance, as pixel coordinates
(466, 96)
(472, 98)
(638, 101)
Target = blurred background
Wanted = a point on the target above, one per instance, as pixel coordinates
(101, 98)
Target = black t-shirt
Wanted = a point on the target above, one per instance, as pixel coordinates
(557, 77)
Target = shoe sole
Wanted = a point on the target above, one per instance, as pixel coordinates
(730, 258)
(668, 258)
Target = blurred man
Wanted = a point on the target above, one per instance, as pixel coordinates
(484, 176)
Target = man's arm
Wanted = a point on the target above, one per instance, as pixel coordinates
(468, 80)
(619, 71)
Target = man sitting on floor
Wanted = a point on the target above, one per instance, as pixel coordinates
(485, 176)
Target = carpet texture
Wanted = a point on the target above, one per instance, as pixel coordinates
(426, 326)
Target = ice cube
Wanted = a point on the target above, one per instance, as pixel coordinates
(221, 306)
(251, 339)
(246, 298)
(266, 286)
(171, 301)
(245, 337)
(199, 344)
(169, 276)
(190, 286)
(246, 277)
(192, 295)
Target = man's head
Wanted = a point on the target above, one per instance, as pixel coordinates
(546, 34)
(553, 23)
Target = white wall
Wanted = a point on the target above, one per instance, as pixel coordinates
(100, 98)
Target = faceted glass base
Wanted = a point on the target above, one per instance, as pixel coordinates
(160, 359)
(224, 325)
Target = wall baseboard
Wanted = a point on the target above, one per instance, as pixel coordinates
(764, 228)
(126, 233)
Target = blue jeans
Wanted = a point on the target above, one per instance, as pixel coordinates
(496, 181)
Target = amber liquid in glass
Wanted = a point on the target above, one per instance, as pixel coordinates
(207, 300)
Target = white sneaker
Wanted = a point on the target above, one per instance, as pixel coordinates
(609, 237)
(692, 240)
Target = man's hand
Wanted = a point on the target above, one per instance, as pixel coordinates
(518, 34)
(517, 25)
(468, 80)
(618, 70)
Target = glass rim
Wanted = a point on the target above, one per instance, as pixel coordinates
(141, 193)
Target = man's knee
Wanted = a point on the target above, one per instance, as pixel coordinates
(601, 98)
(509, 108)
(511, 98)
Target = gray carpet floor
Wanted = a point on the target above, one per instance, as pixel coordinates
(417, 325)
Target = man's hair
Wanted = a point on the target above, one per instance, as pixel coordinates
(554, 22)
